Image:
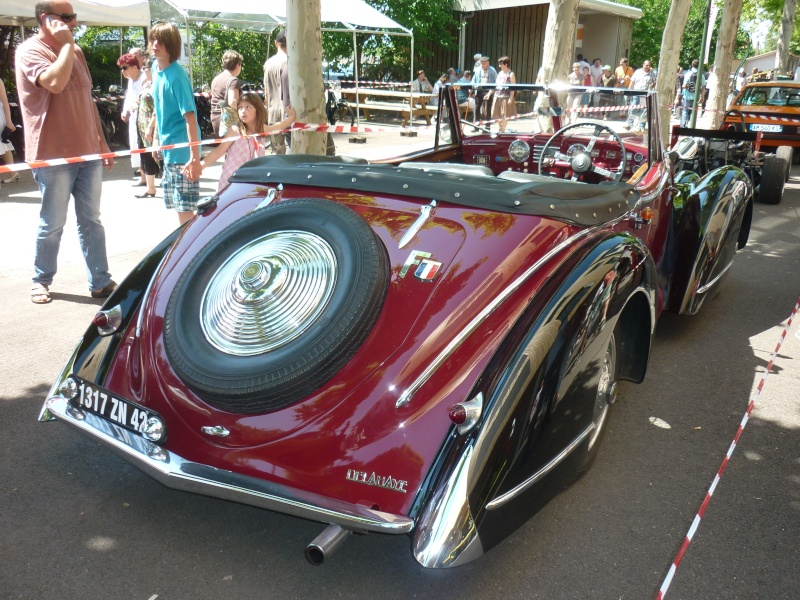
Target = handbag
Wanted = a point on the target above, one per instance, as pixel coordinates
(5, 137)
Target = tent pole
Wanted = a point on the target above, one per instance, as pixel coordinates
(189, 50)
(355, 74)
(411, 92)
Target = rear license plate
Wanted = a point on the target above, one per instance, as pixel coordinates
(94, 399)
(762, 127)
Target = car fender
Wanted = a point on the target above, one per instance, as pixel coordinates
(480, 487)
(95, 352)
(713, 213)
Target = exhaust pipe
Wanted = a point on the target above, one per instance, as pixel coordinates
(325, 544)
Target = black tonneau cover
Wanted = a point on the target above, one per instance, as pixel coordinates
(572, 201)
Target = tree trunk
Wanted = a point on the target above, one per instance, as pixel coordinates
(668, 63)
(559, 40)
(723, 63)
(785, 36)
(306, 93)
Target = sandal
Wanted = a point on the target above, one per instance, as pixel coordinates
(106, 291)
(40, 294)
(145, 195)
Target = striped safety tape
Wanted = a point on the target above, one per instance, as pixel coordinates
(696, 522)
(361, 82)
(24, 166)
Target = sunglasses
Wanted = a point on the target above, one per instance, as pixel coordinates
(66, 17)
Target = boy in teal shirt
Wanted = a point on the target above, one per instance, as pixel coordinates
(176, 118)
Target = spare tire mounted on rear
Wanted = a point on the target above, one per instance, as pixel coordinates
(275, 305)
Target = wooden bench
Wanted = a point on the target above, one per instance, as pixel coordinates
(367, 100)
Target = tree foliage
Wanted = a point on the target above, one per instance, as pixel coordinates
(211, 40)
(647, 32)
(387, 56)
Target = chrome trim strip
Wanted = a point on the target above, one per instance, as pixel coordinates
(425, 214)
(459, 338)
(178, 473)
(707, 286)
(511, 494)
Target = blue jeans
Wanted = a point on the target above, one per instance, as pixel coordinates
(84, 181)
(686, 113)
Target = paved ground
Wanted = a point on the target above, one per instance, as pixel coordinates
(78, 523)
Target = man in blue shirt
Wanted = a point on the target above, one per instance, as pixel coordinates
(176, 117)
(692, 84)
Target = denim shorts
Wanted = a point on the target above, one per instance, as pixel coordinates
(179, 193)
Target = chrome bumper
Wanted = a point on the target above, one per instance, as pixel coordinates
(180, 474)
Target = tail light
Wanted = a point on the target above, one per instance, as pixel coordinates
(467, 414)
(108, 321)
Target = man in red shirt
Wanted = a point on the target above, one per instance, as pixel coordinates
(60, 121)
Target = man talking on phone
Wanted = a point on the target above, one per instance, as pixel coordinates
(60, 120)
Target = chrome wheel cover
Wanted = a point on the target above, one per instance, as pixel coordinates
(606, 391)
(268, 293)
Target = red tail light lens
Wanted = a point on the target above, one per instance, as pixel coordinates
(458, 414)
(108, 321)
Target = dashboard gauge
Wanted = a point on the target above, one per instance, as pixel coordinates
(519, 151)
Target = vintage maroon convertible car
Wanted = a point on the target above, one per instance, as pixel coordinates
(427, 346)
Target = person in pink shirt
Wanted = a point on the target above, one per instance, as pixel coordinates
(252, 117)
(60, 121)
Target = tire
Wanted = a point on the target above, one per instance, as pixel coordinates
(773, 178)
(605, 396)
(106, 133)
(345, 113)
(786, 152)
(251, 329)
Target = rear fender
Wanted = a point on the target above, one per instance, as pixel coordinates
(95, 352)
(708, 231)
(534, 378)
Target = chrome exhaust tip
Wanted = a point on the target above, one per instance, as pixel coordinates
(325, 544)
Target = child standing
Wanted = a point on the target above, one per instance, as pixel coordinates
(176, 119)
(253, 118)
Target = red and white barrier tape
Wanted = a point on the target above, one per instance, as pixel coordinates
(620, 108)
(24, 166)
(696, 522)
(361, 82)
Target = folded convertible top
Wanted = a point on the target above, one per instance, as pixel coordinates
(572, 201)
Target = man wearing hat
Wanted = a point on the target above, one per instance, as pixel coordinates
(607, 80)
(483, 74)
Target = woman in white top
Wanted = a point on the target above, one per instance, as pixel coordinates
(5, 121)
(136, 77)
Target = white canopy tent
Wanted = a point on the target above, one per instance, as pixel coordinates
(124, 13)
(345, 16)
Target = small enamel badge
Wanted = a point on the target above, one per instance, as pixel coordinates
(425, 270)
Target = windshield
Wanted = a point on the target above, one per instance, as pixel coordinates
(770, 96)
(531, 109)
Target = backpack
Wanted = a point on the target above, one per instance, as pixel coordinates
(692, 82)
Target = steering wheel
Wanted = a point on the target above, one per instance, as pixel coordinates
(579, 155)
(736, 126)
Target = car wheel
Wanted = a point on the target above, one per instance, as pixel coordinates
(605, 396)
(785, 152)
(275, 305)
(773, 178)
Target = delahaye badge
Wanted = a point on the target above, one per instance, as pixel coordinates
(388, 482)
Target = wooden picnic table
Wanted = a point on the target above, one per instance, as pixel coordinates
(371, 99)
